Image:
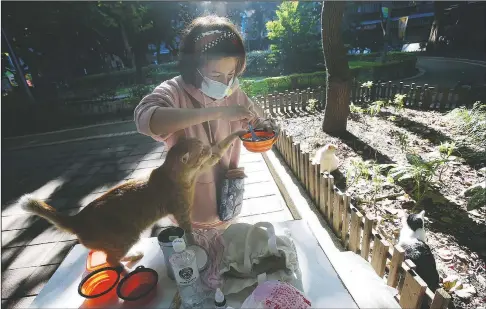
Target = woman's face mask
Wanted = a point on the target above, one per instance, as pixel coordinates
(215, 89)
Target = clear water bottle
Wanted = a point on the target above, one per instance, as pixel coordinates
(186, 274)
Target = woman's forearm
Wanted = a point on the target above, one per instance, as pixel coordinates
(170, 120)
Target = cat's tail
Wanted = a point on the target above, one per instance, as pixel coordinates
(31, 204)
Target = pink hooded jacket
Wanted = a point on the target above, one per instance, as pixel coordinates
(175, 93)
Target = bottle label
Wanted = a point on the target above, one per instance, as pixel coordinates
(186, 275)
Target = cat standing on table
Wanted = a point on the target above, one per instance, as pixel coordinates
(205, 102)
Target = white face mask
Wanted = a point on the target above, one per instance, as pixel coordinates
(217, 90)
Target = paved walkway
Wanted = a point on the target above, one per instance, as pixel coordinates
(69, 176)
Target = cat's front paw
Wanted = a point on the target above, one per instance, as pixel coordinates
(132, 256)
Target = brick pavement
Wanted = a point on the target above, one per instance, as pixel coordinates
(70, 176)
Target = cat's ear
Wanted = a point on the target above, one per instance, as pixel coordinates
(185, 158)
(422, 214)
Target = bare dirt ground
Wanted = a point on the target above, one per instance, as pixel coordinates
(457, 236)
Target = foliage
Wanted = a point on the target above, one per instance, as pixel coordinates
(257, 64)
(295, 36)
(397, 103)
(472, 122)
(312, 104)
(402, 140)
(139, 91)
(354, 109)
(421, 171)
(368, 171)
(477, 198)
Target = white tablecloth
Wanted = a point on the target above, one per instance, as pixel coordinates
(320, 282)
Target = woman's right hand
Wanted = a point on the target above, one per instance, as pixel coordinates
(237, 112)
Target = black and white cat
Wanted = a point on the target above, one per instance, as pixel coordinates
(413, 241)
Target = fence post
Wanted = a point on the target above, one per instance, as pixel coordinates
(388, 91)
(400, 88)
(286, 102)
(418, 96)
(413, 291)
(330, 198)
(337, 217)
(445, 98)
(441, 299)
(301, 168)
(346, 217)
(378, 258)
(412, 95)
(304, 100)
(355, 230)
(367, 231)
(292, 101)
(396, 262)
(312, 173)
(323, 194)
(317, 183)
(427, 97)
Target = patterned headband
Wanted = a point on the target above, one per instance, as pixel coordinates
(208, 39)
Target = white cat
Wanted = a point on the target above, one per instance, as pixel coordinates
(326, 156)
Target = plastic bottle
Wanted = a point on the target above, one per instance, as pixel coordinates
(219, 300)
(186, 274)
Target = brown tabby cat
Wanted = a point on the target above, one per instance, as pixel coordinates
(113, 222)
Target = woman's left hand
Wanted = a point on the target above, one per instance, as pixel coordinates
(268, 125)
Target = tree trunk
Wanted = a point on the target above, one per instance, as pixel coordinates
(126, 43)
(159, 42)
(437, 26)
(338, 74)
(138, 55)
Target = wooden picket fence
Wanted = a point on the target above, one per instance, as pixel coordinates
(356, 230)
(419, 97)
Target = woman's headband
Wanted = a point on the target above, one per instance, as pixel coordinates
(208, 39)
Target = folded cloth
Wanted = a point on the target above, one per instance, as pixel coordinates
(276, 295)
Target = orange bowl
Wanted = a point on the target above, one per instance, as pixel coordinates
(264, 143)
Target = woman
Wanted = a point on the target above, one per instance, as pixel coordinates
(205, 102)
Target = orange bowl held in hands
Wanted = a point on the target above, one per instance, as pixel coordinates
(264, 143)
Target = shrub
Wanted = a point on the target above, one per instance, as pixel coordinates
(257, 64)
(472, 122)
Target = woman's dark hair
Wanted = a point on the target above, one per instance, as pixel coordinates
(191, 56)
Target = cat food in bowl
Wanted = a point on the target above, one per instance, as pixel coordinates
(264, 142)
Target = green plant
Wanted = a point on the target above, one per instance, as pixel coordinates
(139, 91)
(472, 122)
(368, 171)
(312, 103)
(354, 109)
(367, 84)
(419, 171)
(402, 140)
(445, 151)
(375, 107)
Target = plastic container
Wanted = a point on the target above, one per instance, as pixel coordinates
(165, 238)
(264, 143)
(137, 285)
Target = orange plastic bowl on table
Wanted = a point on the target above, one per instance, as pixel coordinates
(264, 143)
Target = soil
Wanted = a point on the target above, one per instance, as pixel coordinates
(457, 236)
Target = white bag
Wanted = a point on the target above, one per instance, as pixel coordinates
(251, 251)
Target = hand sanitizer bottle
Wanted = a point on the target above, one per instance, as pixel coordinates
(186, 274)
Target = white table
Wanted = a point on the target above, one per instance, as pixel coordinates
(320, 282)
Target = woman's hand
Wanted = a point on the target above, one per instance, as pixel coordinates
(268, 125)
(237, 112)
